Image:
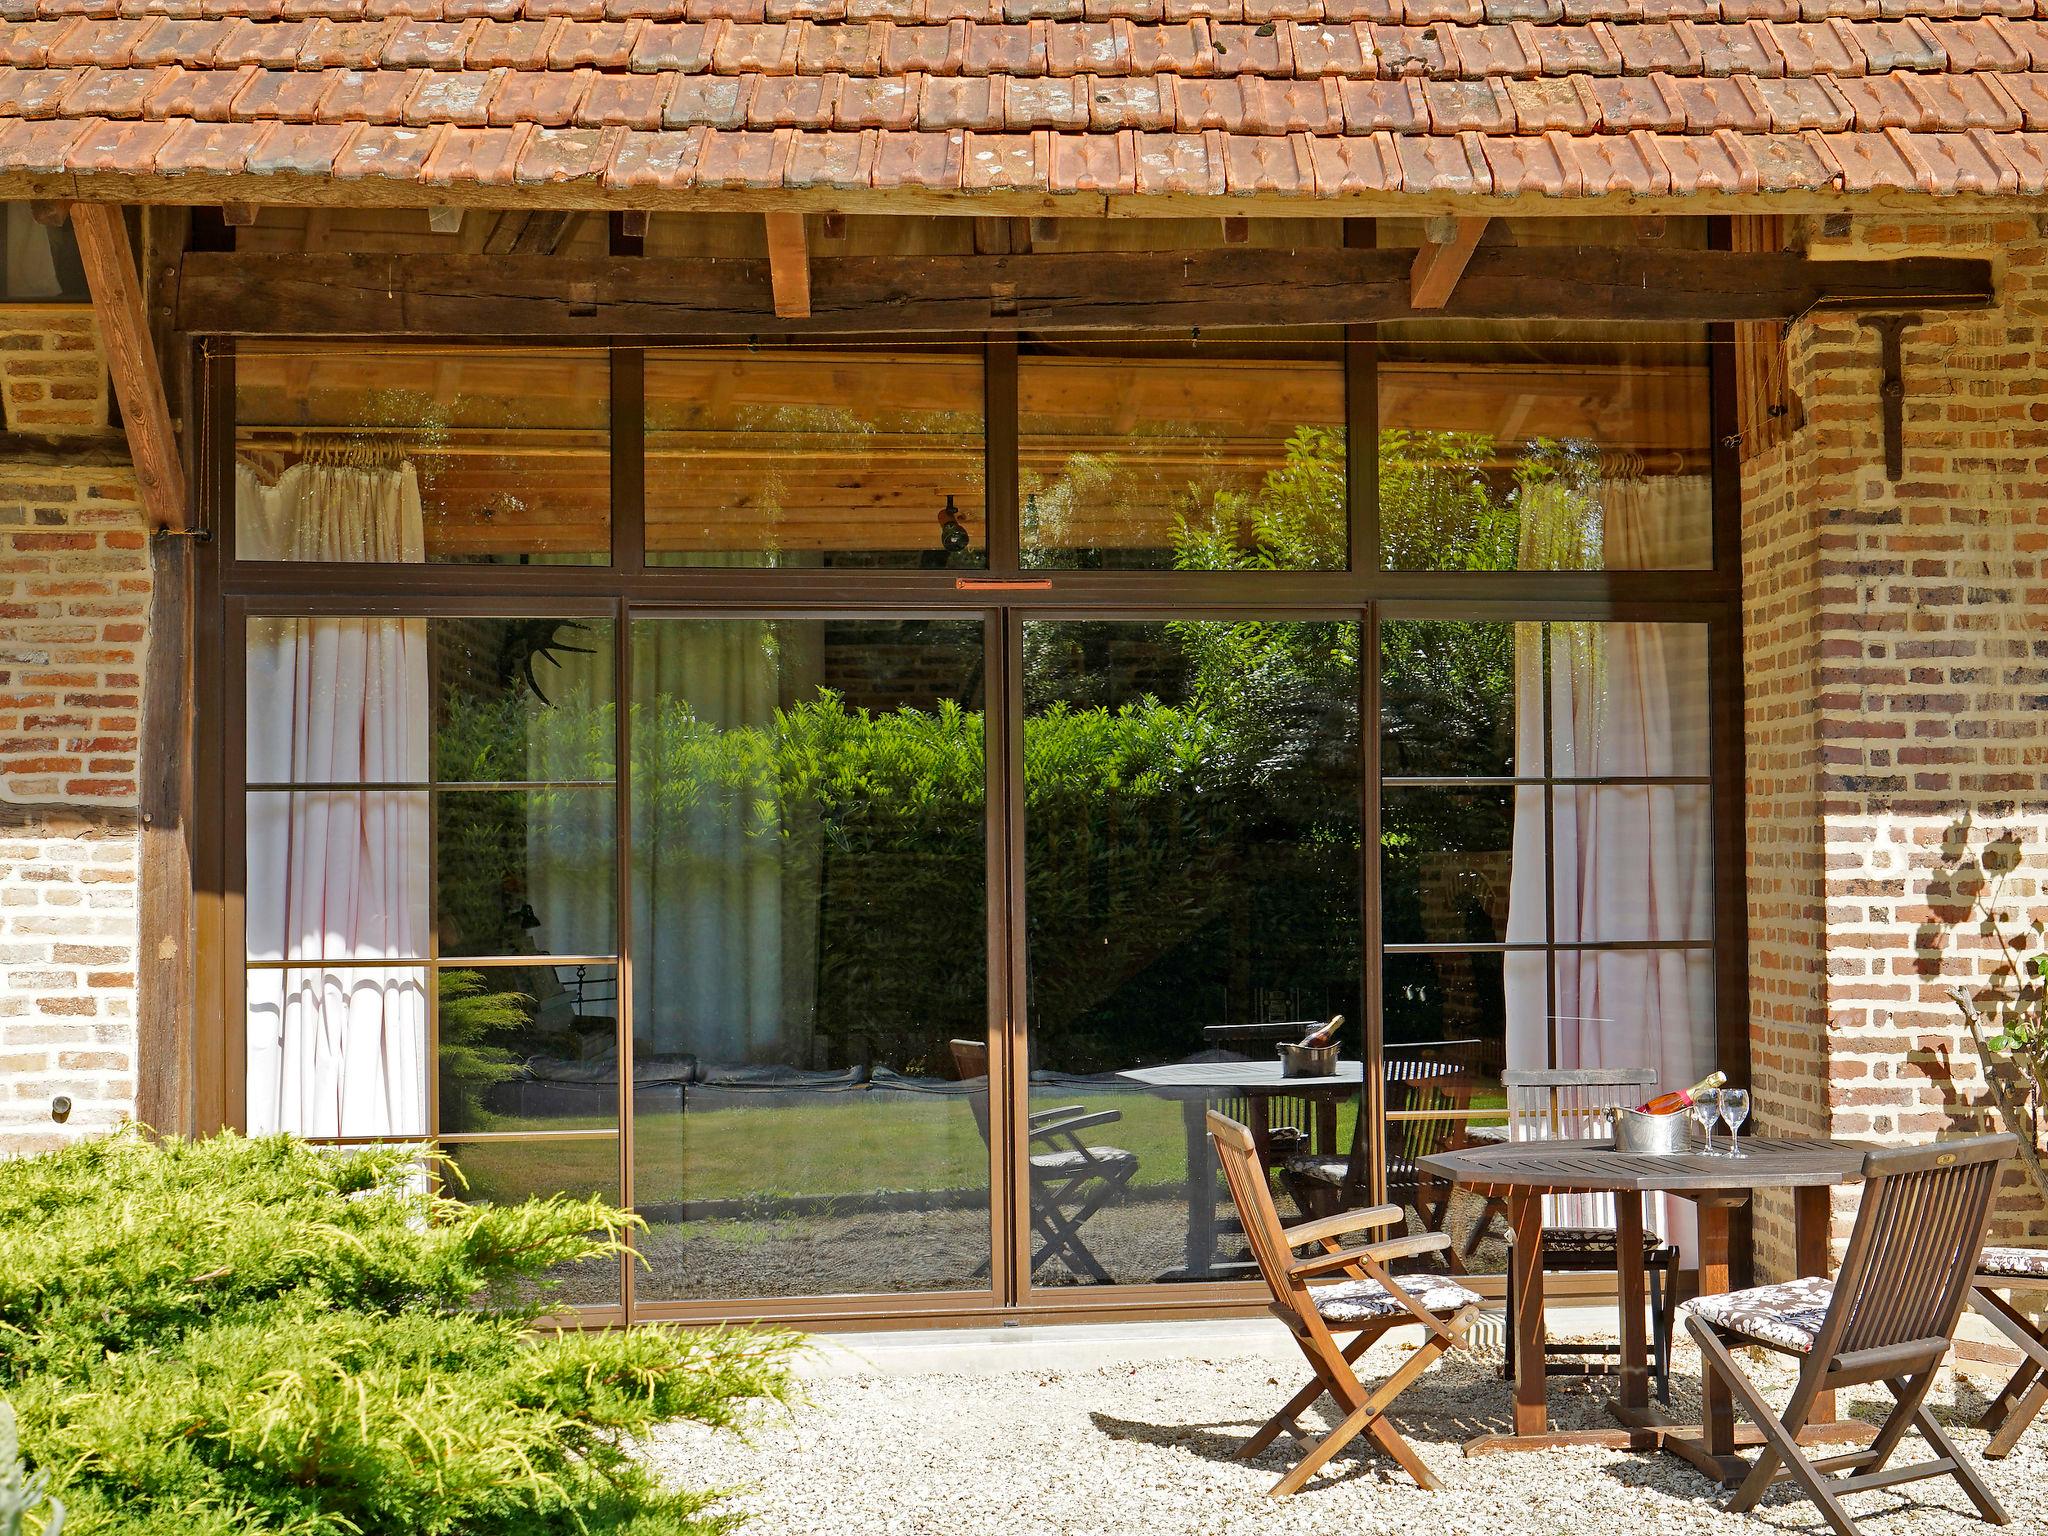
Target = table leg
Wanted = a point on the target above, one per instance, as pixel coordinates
(1325, 1110)
(1629, 1290)
(1532, 1373)
(1812, 1221)
(1717, 1410)
(1201, 1253)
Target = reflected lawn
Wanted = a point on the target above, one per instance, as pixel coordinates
(846, 1147)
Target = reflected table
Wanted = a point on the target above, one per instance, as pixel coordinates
(1521, 1173)
(1197, 1085)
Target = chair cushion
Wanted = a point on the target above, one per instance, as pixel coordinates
(1367, 1301)
(1324, 1170)
(1788, 1314)
(1065, 1163)
(2015, 1263)
(1586, 1242)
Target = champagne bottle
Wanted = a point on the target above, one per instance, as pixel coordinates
(1672, 1103)
(1322, 1034)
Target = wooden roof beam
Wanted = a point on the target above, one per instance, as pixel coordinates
(1441, 260)
(789, 265)
(117, 301)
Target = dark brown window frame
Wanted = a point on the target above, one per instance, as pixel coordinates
(1002, 596)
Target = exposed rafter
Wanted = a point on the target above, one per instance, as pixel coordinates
(1442, 259)
(131, 360)
(250, 294)
(789, 265)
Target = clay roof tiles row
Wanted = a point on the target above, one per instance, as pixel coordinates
(1301, 98)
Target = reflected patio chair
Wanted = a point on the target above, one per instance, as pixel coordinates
(1888, 1316)
(1572, 1105)
(1071, 1179)
(2021, 1399)
(1367, 1301)
(1428, 1117)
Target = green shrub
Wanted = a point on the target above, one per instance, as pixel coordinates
(240, 1336)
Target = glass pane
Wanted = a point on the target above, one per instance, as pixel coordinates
(1633, 1008)
(336, 701)
(809, 874)
(523, 700)
(1192, 871)
(528, 1048)
(402, 454)
(1633, 862)
(1182, 456)
(1455, 1007)
(336, 875)
(526, 872)
(1447, 699)
(802, 456)
(506, 1172)
(1445, 857)
(337, 1051)
(1628, 700)
(1532, 454)
(39, 263)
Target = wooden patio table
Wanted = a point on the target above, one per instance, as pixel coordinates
(1522, 1173)
(1197, 1084)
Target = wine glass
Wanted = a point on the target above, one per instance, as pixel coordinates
(1734, 1110)
(1706, 1108)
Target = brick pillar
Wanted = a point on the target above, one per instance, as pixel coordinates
(1897, 676)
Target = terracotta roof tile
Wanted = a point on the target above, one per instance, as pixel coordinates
(2027, 154)
(208, 149)
(710, 101)
(461, 96)
(655, 161)
(399, 153)
(630, 101)
(41, 146)
(1088, 162)
(298, 149)
(293, 95)
(1559, 98)
(1389, 106)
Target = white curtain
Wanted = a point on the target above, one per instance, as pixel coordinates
(1631, 863)
(336, 878)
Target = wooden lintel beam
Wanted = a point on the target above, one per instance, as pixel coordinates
(132, 362)
(1442, 260)
(234, 293)
(789, 265)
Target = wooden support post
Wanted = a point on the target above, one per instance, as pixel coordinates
(1441, 260)
(164, 963)
(789, 265)
(131, 360)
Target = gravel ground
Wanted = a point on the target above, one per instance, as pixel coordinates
(1146, 1449)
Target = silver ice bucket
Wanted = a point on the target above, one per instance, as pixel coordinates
(1635, 1131)
(1308, 1061)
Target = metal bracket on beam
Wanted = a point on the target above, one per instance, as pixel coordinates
(1891, 387)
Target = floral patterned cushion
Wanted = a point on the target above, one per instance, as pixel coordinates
(1367, 1301)
(1788, 1314)
(2015, 1263)
(1585, 1242)
(1324, 1170)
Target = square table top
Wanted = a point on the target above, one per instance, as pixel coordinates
(1205, 1078)
(1565, 1167)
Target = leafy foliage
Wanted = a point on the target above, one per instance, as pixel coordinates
(240, 1336)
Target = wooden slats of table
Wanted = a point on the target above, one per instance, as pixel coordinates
(1565, 1167)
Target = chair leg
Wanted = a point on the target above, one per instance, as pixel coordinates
(1283, 1422)
(1669, 1327)
(2017, 1417)
(1973, 1485)
(1781, 1443)
(1368, 1415)
(1660, 1341)
(1507, 1365)
(2023, 1397)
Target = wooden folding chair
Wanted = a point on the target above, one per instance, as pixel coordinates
(1368, 1302)
(1888, 1316)
(2013, 1269)
(1071, 1179)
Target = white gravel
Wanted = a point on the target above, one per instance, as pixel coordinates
(1147, 1448)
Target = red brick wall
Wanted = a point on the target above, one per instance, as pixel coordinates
(74, 590)
(1897, 654)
